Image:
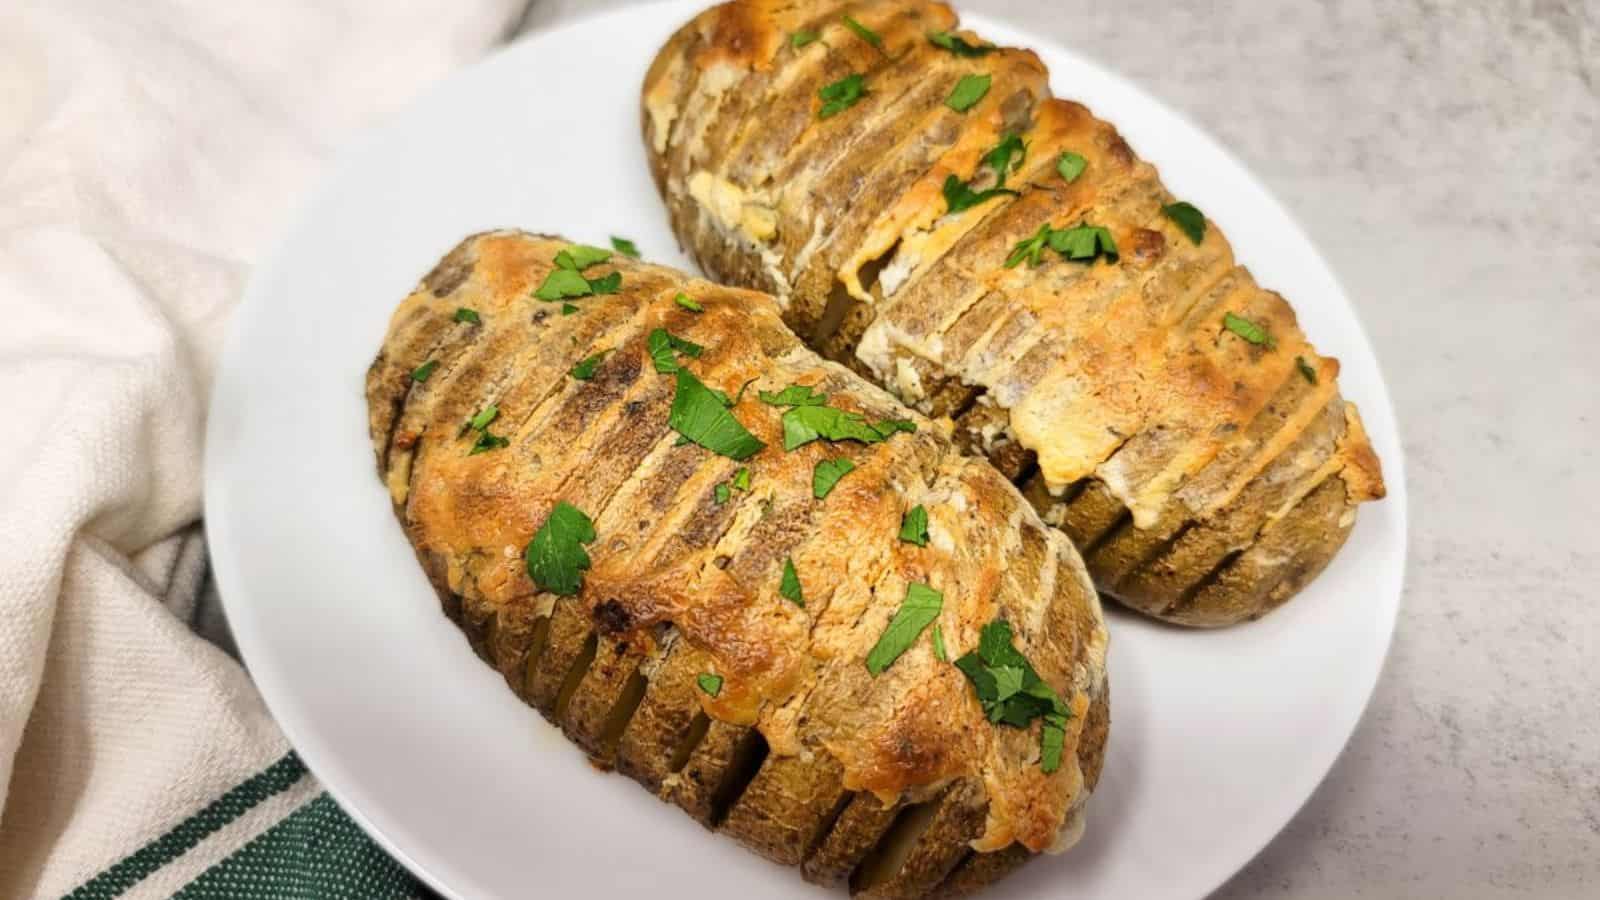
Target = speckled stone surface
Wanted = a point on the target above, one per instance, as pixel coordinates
(1446, 159)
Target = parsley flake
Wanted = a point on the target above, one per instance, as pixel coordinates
(1006, 157)
(914, 526)
(555, 557)
(1082, 243)
(1189, 220)
(967, 92)
(1070, 165)
(793, 395)
(938, 644)
(710, 683)
(804, 424)
(789, 584)
(625, 247)
(608, 284)
(1248, 330)
(1011, 691)
(577, 257)
(827, 474)
(568, 309)
(919, 610)
(584, 371)
(959, 196)
(841, 95)
(664, 349)
(721, 493)
(486, 415)
(563, 283)
(688, 302)
(863, 32)
(802, 38)
(1306, 371)
(425, 371)
(958, 45)
(741, 479)
(699, 415)
(463, 314)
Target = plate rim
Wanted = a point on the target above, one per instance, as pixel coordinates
(275, 692)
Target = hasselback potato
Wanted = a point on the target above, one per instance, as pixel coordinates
(927, 214)
(694, 545)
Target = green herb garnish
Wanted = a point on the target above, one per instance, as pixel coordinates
(968, 91)
(1082, 243)
(555, 557)
(914, 526)
(959, 196)
(625, 247)
(741, 479)
(804, 424)
(423, 372)
(688, 302)
(957, 45)
(1248, 330)
(563, 283)
(485, 416)
(721, 493)
(699, 415)
(793, 395)
(841, 95)
(1189, 220)
(608, 284)
(938, 644)
(789, 584)
(664, 349)
(802, 38)
(568, 309)
(464, 314)
(710, 683)
(577, 257)
(863, 32)
(584, 371)
(1012, 693)
(1070, 165)
(919, 610)
(827, 474)
(1006, 157)
(1306, 371)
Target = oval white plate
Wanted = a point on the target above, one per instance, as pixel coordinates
(1217, 737)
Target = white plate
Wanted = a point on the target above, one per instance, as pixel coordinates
(1217, 737)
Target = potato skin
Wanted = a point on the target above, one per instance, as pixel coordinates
(1113, 394)
(802, 755)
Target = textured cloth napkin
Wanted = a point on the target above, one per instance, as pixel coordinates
(149, 153)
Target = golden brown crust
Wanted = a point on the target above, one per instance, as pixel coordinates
(800, 737)
(1112, 392)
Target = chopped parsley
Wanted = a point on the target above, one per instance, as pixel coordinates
(958, 45)
(1082, 243)
(919, 610)
(463, 314)
(741, 479)
(584, 371)
(578, 257)
(1248, 330)
(566, 279)
(802, 38)
(1306, 371)
(486, 415)
(664, 349)
(938, 644)
(914, 526)
(710, 683)
(1012, 693)
(688, 302)
(968, 91)
(789, 584)
(721, 493)
(568, 309)
(863, 32)
(423, 372)
(699, 415)
(1070, 165)
(485, 441)
(959, 196)
(555, 557)
(793, 395)
(1189, 220)
(827, 474)
(804, 424)
(1006, 157)
(841, 95)
(625, 247)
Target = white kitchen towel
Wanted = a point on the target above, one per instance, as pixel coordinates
(149, 153)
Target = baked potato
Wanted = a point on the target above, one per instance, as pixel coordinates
(693, 544)
(926, 213)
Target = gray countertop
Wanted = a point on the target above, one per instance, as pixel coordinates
(1446, 159)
